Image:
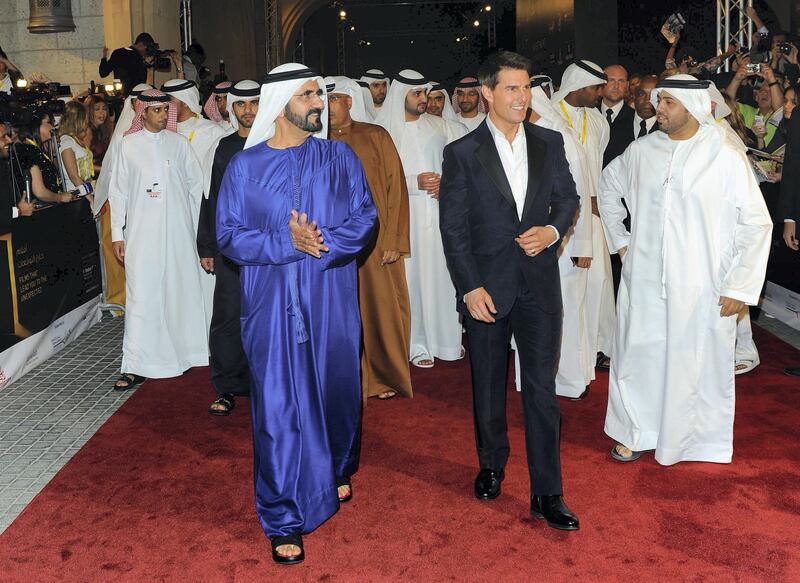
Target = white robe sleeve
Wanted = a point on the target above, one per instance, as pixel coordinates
(194, 179)
(580, 242)
(745, 277)
(614, 185)
(118, 193)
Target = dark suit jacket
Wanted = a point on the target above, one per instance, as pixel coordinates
(478, 217)
(789, 200)
(621, 133)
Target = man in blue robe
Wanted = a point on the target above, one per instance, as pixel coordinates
(294, 212)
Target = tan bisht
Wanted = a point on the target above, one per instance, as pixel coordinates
(382, 290)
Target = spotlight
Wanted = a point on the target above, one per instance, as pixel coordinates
(458, 39)
(476, 23)
(488, 8)
(369, 44)
(342, 14)
(352, 29)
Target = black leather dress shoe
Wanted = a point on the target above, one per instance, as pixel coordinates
(487, 484)
(555, 512)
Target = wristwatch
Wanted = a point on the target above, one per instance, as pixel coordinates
(179, 69)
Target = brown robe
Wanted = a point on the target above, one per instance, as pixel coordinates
(382, 289)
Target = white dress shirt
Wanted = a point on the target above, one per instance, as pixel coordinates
(637, 124)
(615, 109)
(514, 157)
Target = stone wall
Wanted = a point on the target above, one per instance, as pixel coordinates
(70, 58)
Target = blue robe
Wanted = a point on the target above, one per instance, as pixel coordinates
(301, 328)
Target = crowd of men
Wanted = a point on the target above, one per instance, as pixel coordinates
(310, 237)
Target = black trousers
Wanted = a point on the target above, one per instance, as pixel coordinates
(230, 372)
(538, 338)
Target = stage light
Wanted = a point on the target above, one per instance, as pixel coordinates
(488, 8)
(476, 23)
(342, 14)
(352, 29)
(458, 39)
(369, 44)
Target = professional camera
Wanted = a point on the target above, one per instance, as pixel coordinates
(41, 98)
(785, 47)
(160, 59)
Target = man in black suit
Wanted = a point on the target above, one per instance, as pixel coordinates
(506, 198)
(10, 207)
(616, 112)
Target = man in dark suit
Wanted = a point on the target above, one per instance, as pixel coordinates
(616, 112)
(10, 207)
(506, 198)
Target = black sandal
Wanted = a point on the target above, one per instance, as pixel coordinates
(131, 381)
(344, 482)
(227, 402)
(289, 539)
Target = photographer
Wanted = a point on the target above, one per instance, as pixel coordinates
(12, 205)
(768, 96)
(27, 155)
(131, 65)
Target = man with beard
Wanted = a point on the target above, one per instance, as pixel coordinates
(439, 104)
(468, 103)
(383, 295)
(420, 139)
(294, 212)
(378, 88)
(229, 372)
(696, 253)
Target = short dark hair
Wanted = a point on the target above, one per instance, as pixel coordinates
(197, 49)
(491, 67)
(145, 38)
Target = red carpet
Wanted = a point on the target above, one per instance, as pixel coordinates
(163, 493)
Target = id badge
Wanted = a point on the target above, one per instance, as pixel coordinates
(154, 192)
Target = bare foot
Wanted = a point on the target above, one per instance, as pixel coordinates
(288, 551)
(344, 491)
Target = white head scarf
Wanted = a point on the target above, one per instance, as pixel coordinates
(186, 91)
(542, 81)
(282, 82)
(373, 75)
(393, 113)
(463, 85)
(448, 112)
(578, 75)
(245, 90)
(346, 86)
(127, 114)
(694, 95)
(721, 110)
(366, 96)
(697, 99)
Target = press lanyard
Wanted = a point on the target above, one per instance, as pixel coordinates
(569, 120)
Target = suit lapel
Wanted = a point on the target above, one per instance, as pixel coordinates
(536, 155)
(490, 160)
